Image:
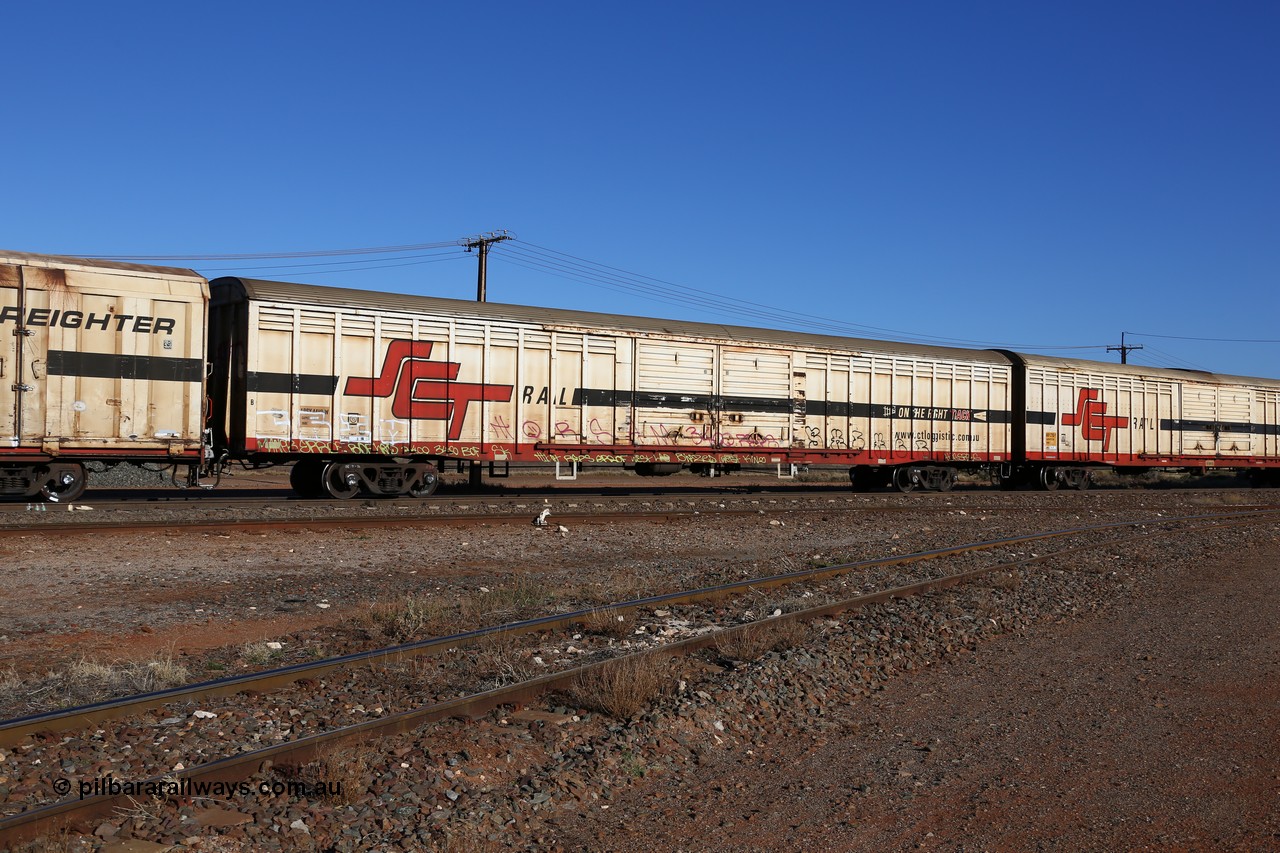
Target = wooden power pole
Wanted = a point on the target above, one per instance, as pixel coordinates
(481, 244)
(1123, 349)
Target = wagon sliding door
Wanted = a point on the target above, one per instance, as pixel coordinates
(758, 399)
(675, 384)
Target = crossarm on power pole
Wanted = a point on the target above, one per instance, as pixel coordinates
(1123, 349)
(481, 244)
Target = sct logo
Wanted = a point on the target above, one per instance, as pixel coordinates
(425, 390)
(1092, 418)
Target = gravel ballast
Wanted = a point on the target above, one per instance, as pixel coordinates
(1083, 703)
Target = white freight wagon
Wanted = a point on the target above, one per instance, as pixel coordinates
(374, 391)
(98, 360)
(1085, 414)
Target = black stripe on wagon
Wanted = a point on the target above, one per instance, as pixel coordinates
(755, 404)
(835, 409)
(1181, 425)
(822, 408)
(101, 365)
(654, 400)
(643, 399)
(291, 383)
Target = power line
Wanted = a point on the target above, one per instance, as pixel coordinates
(572, 267)
(387, 266)
(563, 265)
(453, 255)
(320, 253)
(1179, 362)
(1215, 340)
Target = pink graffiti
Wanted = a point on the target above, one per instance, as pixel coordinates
(501, 429)
(599, 433)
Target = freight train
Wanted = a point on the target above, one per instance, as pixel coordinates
(375, 393)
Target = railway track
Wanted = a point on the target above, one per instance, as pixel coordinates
(146, 500)
(482, 511)
(301, 749)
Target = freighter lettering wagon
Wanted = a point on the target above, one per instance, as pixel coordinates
(98, 360)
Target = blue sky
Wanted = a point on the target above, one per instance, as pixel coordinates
(1025, 174)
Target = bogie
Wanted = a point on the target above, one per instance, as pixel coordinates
(311, 478)
(55, 482)
(936, 478)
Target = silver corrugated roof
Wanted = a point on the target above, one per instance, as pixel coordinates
(66, 262)
(560, 318)
(1142, 370)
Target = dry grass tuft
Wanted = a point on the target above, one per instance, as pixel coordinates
(613, 586)
(757, 639)
(258, 654)
(625, 687)
(459, 843)
(1006, 580)
(524, 595)
(60, 840)
(14, 689)
(499, 660)
(89, 681)
(345, 771)
(134, 677)
(409, 619)
(607, 622)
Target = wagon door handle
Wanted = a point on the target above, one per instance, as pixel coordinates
(35, 368)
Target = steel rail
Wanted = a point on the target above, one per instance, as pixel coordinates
(15, 730)
(44, 819)
(463, 519)
(354, 521)
(147, 499)
(450, 519)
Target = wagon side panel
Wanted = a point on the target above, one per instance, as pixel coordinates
(105, 364)
(762, 403)
(675, 380)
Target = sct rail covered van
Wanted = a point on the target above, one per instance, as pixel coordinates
(374, 393)
(365, 388)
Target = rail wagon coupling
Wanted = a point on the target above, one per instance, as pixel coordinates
(368, 393)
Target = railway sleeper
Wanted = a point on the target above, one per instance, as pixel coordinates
(344, 479)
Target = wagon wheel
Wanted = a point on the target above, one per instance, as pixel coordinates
(337, 481)
(304, 477)
(426, 486)
(948, 481)
(1049, 479)
(902, 479)
(65, 483)
(1083, 483)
